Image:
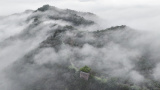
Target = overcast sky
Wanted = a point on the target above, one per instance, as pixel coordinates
(140, 14)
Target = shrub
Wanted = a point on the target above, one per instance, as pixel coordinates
(85, 69)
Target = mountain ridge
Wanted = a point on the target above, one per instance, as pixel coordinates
(55, 43)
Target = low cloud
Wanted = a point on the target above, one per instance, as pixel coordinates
(129, 54)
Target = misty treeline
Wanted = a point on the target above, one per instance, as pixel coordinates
(52, 44)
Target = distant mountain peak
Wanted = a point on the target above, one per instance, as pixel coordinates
(43, 8)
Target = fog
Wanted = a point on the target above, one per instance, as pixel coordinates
(142, 15)
(30, 56)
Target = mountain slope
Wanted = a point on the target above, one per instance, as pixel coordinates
(54, 43)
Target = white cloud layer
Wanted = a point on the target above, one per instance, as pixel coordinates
(117, 59)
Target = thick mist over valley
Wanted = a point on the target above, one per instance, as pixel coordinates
(44, 49)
